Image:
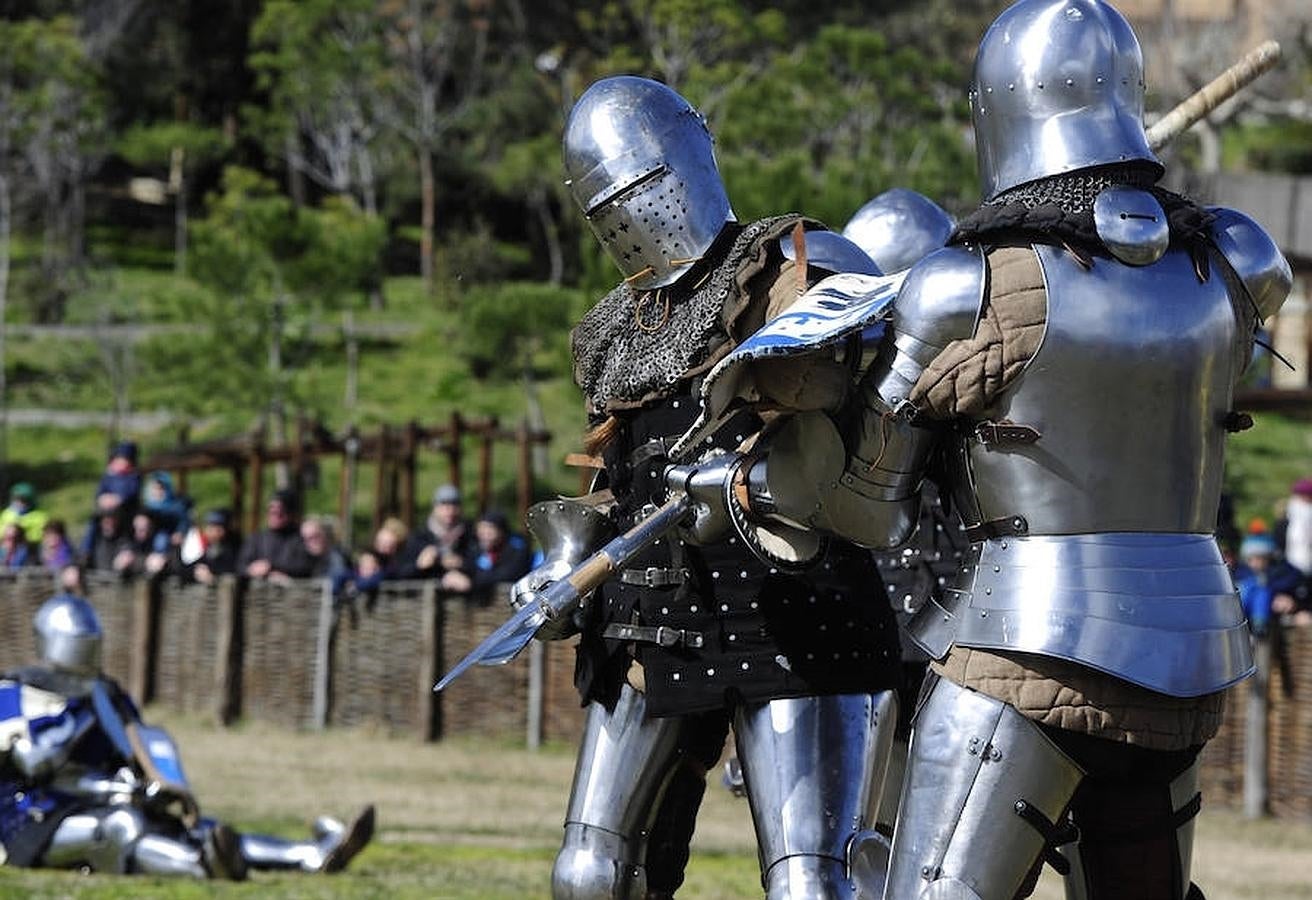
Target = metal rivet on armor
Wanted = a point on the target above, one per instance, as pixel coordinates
(995, 754)
(1040, 85)
(774, 571)
(810, 656)
(983, 613)
(824, 627)
(746, 667)
(1004, 545)
(997, 568)
(754, 604)
(835, 656)
(1098, 79)
(715, 574)
(1070, 82)
(1021, 806)
(742, 574)
(733, 637)
(675, 404)
(724, 607)
(693, 608)
(988, 590)
(738, 438)
(675, 676)
(988, 90)
(665, 610)
(926, 872)
(1011, 87)
(710, 671)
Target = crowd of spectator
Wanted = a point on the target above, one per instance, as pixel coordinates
(143, 526)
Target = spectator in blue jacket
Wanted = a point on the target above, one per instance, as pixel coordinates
(1267, 585)
(171, 513)
(499, 557)
(118, 493)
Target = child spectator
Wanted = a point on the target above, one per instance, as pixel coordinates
(56, 552)
(171, 513)
(1267, 586)
(500, 556)
(22, 510)
(382, 561)
(277, 552)
(15, 552)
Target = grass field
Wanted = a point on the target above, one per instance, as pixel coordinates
(482, 820)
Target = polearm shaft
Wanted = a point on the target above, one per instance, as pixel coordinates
(1211, 95)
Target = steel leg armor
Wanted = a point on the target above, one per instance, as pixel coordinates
(985, 795)
(333, 846)
(814, 769)
(624, 764)
(115, 840)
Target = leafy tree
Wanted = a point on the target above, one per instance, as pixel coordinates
(319, 63)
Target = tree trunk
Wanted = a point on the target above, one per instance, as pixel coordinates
(551, 234)
(427, 217)
(180, 225)
(295, 179)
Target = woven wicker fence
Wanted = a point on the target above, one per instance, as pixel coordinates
(293, 655)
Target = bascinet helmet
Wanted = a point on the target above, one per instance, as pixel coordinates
(899, 227)
(68, 635)
(640, 164)
(1058, 86)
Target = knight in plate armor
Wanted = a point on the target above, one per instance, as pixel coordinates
(1069, 362)
(689, 641)
(88, 785)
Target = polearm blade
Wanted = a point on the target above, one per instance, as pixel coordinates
(496, 645)
(560, 597)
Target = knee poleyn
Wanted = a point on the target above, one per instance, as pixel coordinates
(583, 874)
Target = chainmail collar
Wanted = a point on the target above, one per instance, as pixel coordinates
(636, 346)
(1059, 210)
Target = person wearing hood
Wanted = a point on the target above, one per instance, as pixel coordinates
(22, 510)
(170, 512)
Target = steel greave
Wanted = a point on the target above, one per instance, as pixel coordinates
(814, 769)
(625, 761)
(973, 760)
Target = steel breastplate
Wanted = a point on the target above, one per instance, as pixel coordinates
(1117, 568)
(1128, 392)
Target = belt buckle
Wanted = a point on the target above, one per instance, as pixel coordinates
(651, 576)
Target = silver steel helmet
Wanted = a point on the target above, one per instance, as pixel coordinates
(1058, 86)
(899, 227)
(68, 635)
(640, 164)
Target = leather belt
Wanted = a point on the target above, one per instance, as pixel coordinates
(653, 576)
(993, 433)
(1010, 526)
(660, 635)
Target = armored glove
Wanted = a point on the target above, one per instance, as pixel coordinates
(708, 482)
(533, 588)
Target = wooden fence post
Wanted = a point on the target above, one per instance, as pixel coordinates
(1256, 761)
(323, 648)
(380, 478)
(485, 466)
(145, 623)
(409, 451)
(453, 448)
(537, 675)
(525, 480)
(228, 650)
(430, 663)
(257, 484)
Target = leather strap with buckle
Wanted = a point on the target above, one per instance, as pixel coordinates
(661, 635)
(992, 434)
(654, 576)
(1009, 526)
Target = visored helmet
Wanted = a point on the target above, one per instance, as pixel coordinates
(1058, 86)
(68, 635)
(899, 227)
(640, 164)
